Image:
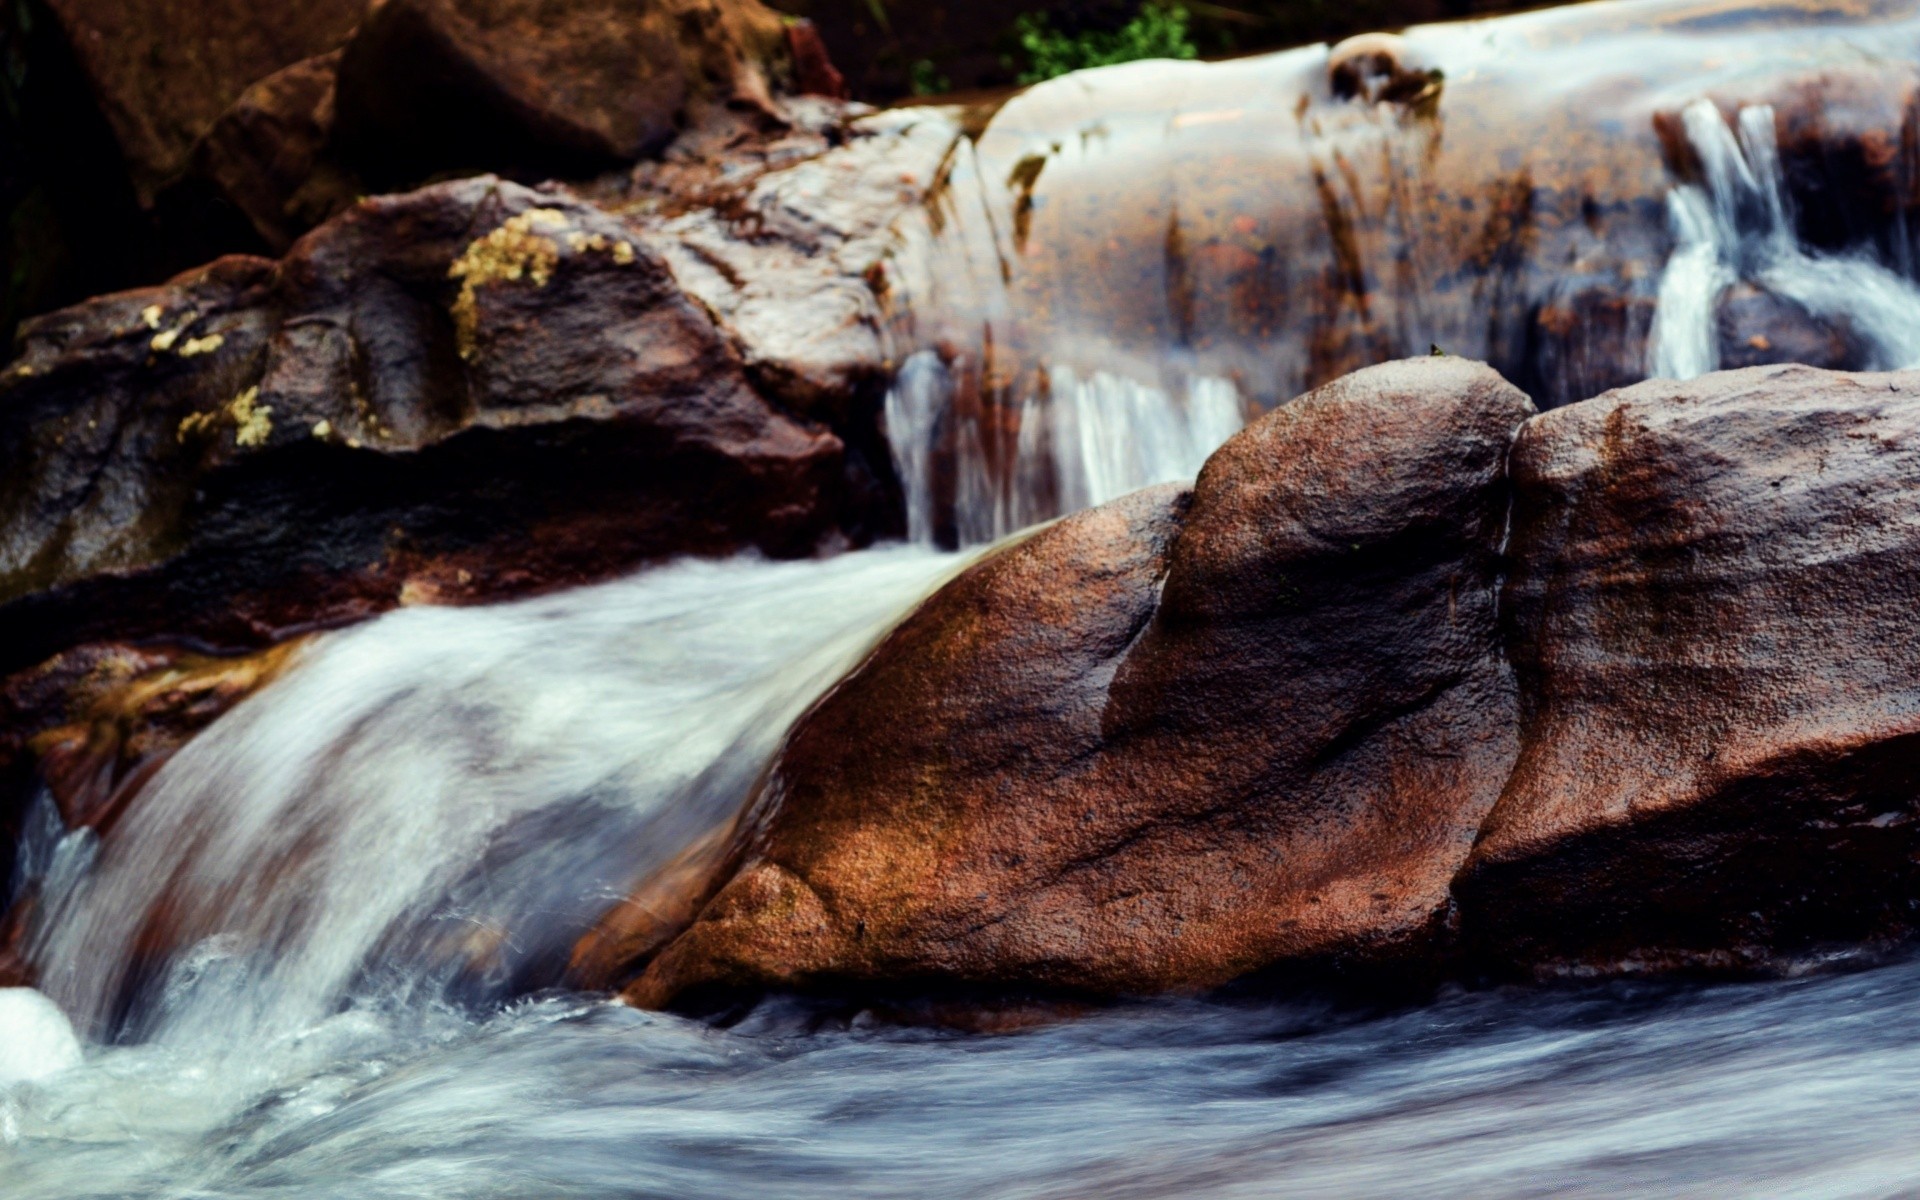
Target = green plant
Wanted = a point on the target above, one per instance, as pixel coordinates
(1157, 31)
(926, 79)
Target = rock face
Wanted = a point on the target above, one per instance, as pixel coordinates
(1280, 725)
(466, 391)
(163, 71)
(1165, 742)
(267, 155)
(1711, 619)
(497, 84)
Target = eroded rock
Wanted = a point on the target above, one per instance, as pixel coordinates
(1711, 608)
(463, 392)
(1165, 742)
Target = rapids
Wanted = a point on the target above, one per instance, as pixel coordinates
(322, 953)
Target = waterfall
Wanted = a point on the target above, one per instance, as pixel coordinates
(1076, 442)
(1736, 226)
(429, 809)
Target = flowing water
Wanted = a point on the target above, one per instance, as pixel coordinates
(362, 869)
(1737, 226)
(318, 955)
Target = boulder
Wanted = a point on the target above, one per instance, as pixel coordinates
(464, 392)
(1163, 743)
(163, 71)
(266, 155)
(1711, 614)
(543, 85)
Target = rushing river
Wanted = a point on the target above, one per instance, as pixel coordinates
(337, 1030)
(317, 956)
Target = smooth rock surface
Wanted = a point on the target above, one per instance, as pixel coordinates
(1712, 604)
(1164, 742)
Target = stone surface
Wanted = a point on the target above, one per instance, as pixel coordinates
(1165, 742)
(1712, 602)
(543, 85)
(163, 71)
(266, 155)
(464, 392)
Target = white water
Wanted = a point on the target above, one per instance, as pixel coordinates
(431, 807)
(1737, 226)
(1079, 442)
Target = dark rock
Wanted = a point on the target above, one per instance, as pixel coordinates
(163, 71)
(1164, 742)
(266, 156)
(1712, 602)
(813, 71)
(535, 85)
(469, 391)
(1757, 328)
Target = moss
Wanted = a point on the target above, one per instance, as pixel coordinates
(515, 251)
(252, 421)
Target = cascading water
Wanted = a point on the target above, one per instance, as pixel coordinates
(430, 808)
(314, 957)
(1079, 442)
(1737, 226)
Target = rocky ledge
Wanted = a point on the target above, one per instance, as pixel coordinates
(1413, 681)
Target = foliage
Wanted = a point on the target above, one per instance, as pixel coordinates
(1157, 31)
(926, 80)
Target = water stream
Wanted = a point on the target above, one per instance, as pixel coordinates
(318, 956)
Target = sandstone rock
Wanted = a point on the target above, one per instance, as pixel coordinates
(1165, 742)
(163, 71)
(1711, 606)
(467, 391)
(505, 85)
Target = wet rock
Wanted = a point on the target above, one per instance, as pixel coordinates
(163, 71)
(511, 85)
(469, 391)
(1380, 67)
(1757, 328)
(1711, 601)
(1165, 742)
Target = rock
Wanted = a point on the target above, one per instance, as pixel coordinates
(1757, 328)
(163, 71)
(1162, 743)
(1711, 606)
(1377, 67)
(813, 71)
(539, 85)
(789, 260)
(266, 155)
(95, 723)
(468, 391)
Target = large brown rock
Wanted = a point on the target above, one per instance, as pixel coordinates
(467, 391)
(1712, 607)
(163, 71)
(563, 85)
(267, 155)
(1165, 742)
